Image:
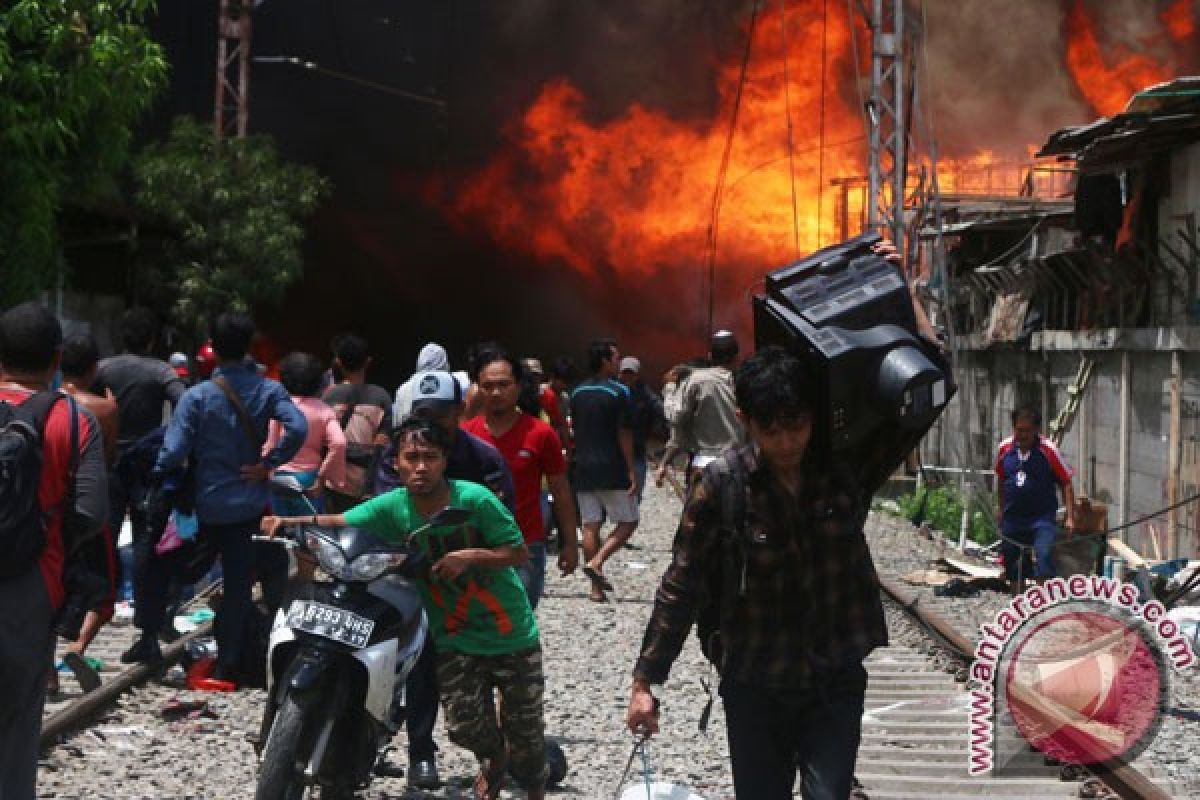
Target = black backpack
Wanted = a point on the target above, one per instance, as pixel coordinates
(22, 519)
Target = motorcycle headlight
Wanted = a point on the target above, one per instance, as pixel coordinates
(370, 566)
(366, 567)
(329, 555)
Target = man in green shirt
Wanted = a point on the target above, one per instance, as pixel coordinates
(479, 614)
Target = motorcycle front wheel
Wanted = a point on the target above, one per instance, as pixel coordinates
(281, 773)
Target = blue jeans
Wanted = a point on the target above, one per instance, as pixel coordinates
(1039, 535)
(774, 732)
(533, 573)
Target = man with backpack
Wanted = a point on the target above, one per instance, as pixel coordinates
(771, 562)
(220, 426)
(53, 498)
(365, 413)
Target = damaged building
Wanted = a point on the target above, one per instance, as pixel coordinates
(1084, 303)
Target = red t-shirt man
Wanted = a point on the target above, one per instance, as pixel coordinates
(532, 450)
(52, 491)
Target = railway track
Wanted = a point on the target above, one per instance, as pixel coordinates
(72, 709)
(915, 738)
(915, 726)
(914, 735)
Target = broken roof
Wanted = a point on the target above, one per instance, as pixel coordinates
(1158, 118)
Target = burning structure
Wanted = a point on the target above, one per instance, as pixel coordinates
(1082, 298)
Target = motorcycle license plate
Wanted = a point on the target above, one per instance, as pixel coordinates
(332, 623)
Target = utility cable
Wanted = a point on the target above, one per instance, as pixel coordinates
(382, 87)
(787, 110)
(821, 135)
(719, 188)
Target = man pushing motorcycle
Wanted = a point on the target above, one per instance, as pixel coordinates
(479, 615)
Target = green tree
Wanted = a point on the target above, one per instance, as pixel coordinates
(74, 75)
(236, 213)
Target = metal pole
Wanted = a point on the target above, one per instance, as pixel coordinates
(1123, 444)
(899, 130)
(1173, 457)
(874, 114)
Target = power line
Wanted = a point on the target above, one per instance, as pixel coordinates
(382, 87)
(719, 188)
(787, 109)
(821, 136)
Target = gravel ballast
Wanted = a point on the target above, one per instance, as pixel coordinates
(131, 752)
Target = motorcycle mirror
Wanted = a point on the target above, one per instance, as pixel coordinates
(286, 485)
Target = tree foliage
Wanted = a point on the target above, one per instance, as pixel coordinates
(235, 210)
(74, 75)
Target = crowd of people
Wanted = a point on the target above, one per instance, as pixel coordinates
(770, 561)
(178, 451)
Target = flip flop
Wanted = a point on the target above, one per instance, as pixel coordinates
(88, 679)
(597, 577)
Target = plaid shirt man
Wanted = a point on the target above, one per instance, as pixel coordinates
(797, 591)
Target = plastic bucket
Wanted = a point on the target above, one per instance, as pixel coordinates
(659, 791)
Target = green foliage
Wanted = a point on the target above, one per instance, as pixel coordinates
(943, 509)
(74, 75)
(235, 210)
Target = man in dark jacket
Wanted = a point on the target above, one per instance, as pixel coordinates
(770, 557)
(221, 424)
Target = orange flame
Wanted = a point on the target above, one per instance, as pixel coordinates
(1178, 20)
(633, 195)
(1107, 82)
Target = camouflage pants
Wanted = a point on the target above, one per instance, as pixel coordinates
(466, 683)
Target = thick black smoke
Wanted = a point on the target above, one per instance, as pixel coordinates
(382, 260)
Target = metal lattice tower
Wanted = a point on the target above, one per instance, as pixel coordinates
(888, 115)
(231, 109)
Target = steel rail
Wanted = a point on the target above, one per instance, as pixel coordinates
(1122, 778)
(80, 711)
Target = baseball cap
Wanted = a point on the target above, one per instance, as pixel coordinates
(179, 363)
(435, 389)
(630, 364)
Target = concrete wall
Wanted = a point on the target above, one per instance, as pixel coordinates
(1000, 379)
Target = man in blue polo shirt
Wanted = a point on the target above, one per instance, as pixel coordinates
(1028, 469)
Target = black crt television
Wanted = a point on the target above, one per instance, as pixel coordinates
(846, 312)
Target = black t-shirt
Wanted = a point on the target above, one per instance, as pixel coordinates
(141, 385)
(599, 410)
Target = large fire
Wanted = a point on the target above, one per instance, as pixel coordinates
(1108, 76)
(631, 197)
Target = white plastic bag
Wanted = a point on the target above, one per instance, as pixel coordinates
(659, 791)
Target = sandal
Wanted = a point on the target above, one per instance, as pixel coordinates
(493, 773)
(87, 676)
